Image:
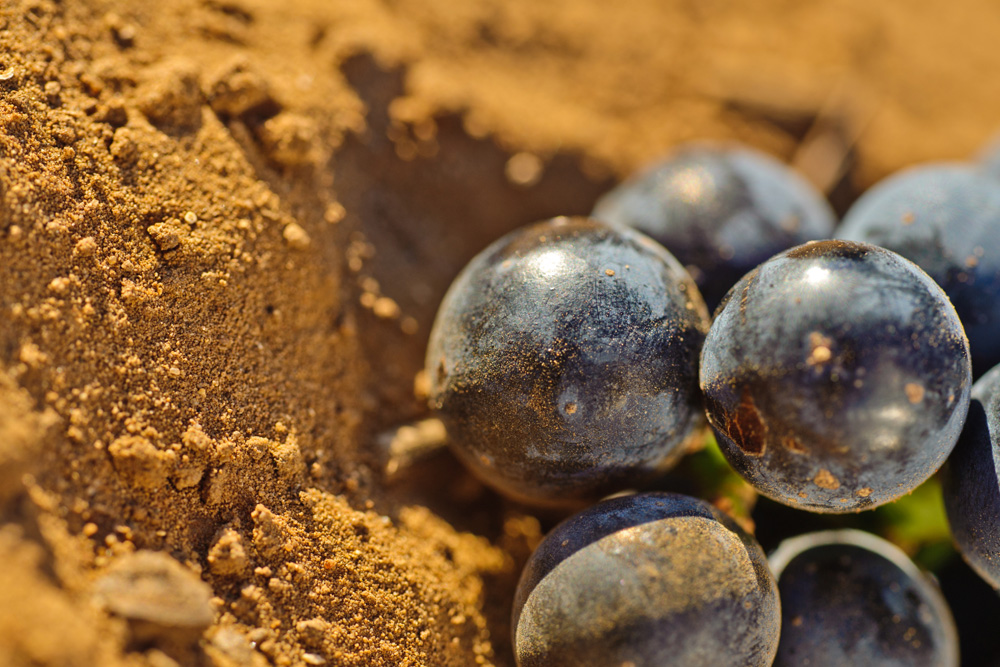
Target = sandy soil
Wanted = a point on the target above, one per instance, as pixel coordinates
(225, 226)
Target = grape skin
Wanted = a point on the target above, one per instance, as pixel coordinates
(721, 210)
(850, 598)
(651, 579)
(946, 219)
(836, 376)
(563, 360)
(971, 483)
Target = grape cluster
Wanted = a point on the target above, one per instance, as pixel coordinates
(575, 358)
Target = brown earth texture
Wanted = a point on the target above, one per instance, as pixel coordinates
(225, 226)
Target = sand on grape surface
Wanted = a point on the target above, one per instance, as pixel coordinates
(225, 226)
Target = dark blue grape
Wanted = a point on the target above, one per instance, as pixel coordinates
(646, 580)
(851, 599)
(946, 219)
(836, 376)
(564, 360)
(721, 210)
(971, 481)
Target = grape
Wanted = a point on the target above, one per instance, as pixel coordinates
(970, 482)
(563, 360)
(721, 210)
(836, 376)
(849, 598)
(651, 579)
(946, 219)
